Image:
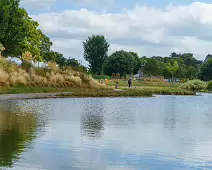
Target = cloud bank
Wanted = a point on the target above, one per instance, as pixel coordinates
(143, 29)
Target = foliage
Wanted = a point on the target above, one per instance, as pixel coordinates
(72, 62)
(137, 64)
(172, 68)
(95, 52)
(120, 62)
(19, 33)
(99, 77)
(151, 67)
(206, 70)
(194, 85)
(209, 86)
(12, 75)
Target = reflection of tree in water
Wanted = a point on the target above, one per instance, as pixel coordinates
(170, 114)
(92, 120)
(17, 130)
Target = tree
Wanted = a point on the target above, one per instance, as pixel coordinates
(49, 56)
(173, 70)
(206, 70)
(45, 45)
(60, 60)
(191, 72)
(15, 26)
(207, 57)
(72, 62)
(137, 65)
(151, 67)
(19, 33)
(120, 62)
(95, 52)
(1, 48)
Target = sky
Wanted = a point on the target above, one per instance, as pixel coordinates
(148, 27)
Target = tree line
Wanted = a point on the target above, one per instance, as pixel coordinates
(126, 63)
(20, 34)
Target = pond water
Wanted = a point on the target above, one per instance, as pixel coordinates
(164, 132)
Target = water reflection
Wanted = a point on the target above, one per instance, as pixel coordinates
(165, 132)
(92, 119)
(170, 113)
(17, 130)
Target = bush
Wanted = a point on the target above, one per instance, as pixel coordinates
(194, 85)
(42, 71)
(209, 87)
(98, 77)
(26, 65)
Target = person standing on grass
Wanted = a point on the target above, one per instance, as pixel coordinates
(117, 84)
(130, 82)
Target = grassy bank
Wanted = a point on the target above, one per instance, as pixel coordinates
(136, 92)
(107, 92)
(97, 92)
(16, 79)
(140, 83)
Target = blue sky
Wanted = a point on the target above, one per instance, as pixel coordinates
(148, 27)
(112, 5)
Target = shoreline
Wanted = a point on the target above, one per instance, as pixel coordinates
(23, 96)
(90, 93)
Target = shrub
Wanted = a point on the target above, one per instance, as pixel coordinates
(42, 71)
(209, 86)
(194, 85)
(20, 77)
(26, 65)
(98, 77)
(3, 77)
(53, 66)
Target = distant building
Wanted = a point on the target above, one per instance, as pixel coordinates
(139, 75)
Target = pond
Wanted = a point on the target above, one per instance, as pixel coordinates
(163, 132)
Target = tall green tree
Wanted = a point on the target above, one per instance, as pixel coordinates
(19, 33)
(95, 52)
(45, 46)
(72, 62)
(120, 62)
(206, 70)
(137, 64)
(173, 70)
(151, 67)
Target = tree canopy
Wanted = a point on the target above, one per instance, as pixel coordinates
(121, 62)
(95, 52)
(206, 70)
(19, 35)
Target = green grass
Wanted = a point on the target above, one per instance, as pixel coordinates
(138, 83)
(107, 92)
(123, 91)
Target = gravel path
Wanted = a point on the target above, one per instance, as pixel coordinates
(30, 96)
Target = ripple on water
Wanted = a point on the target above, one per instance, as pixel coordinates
(166, 132)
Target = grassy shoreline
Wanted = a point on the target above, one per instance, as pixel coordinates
(109, 92)
(97, 92)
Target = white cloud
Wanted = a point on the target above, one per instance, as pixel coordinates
(149, 31)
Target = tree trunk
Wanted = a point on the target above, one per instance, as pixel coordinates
(172, 80)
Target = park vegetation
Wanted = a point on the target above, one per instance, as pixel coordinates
(21, 38)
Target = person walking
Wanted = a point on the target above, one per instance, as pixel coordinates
(130, 82)
(117, 85)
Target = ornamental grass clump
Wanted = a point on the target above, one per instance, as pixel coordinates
(194, 85)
